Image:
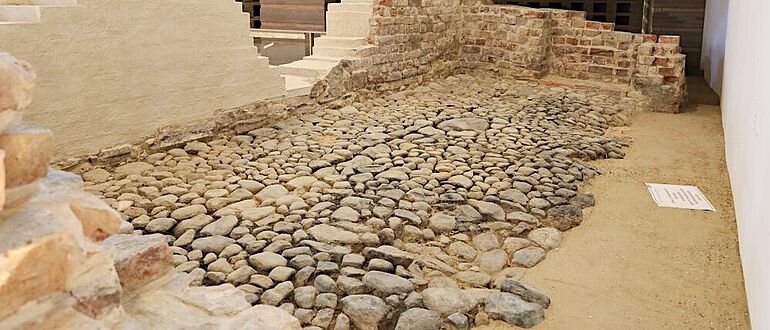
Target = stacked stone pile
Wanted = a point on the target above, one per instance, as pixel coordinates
(63, 264)
(417, 210)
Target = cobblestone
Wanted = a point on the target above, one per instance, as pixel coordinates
(442, 185)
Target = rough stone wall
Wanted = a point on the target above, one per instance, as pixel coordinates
(64, 263)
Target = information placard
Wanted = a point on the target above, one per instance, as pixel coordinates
(681, 197)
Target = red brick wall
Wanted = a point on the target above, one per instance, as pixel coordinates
(514, 40)
(415, 40)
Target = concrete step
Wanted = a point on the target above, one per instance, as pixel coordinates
(347, 24)
(320, 58)
(298, 86)
(39, 2)
(308, 69)
(263, 61)
(19, 14)
(349, 42)
(354, 7)
(341, 52)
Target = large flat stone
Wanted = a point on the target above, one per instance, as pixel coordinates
(140, 259)
(39, 248)
(331, 234)
(95, 285)
(27, 155)
(98, 219)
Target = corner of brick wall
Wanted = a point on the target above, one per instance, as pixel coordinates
(413, 42)
(660, 73)
(531, 43)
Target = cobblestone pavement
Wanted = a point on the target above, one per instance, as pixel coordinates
(416, 210)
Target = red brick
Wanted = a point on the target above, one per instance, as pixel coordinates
(661, 61)
(607, 26)
(650, 38)
(593, 25)
(602, 52)
(602, 70)
(669, 40)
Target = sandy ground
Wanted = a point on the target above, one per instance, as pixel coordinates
(633, 265)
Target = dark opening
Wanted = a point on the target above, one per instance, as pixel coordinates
(577, 6)
(556, 5)
(600, 7)
(622, 20)
(624, 8)
(533, 4)
(600, 18)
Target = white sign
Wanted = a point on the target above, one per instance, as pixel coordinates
(681, 197)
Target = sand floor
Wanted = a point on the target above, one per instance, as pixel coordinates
(632, 265)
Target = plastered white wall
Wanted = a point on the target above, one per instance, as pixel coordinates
(746, 120)
(114, 71)
(714, 36)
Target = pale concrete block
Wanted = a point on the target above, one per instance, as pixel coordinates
(331, 51)
(347, 24)
(19, 14)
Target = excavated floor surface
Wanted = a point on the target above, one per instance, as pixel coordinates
(422, 207)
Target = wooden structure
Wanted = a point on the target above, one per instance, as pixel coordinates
(296, 15)
(626, 14)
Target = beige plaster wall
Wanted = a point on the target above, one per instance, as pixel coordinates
(114, 71)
